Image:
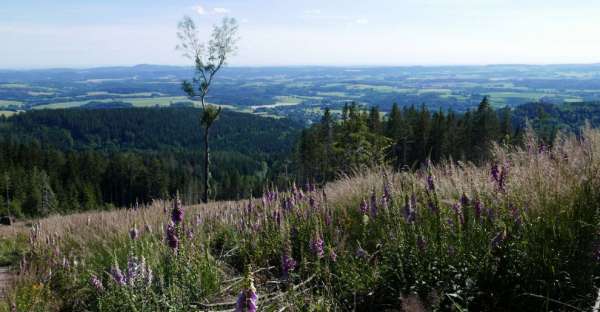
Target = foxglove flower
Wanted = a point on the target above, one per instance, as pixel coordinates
(172, 239)
(430, 183)
(332, 255)
(364, 207)
(464, 200)
(458, 211)
(361, 253)
(117, 275)
(373, 204)
(316, 245)
(247, 299)
(177, 213)
(478, 208)
(96, 283)
(409, 211)
(287, 264)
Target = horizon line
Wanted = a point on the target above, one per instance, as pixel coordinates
(90, 67)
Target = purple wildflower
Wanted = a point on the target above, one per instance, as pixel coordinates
(248, 299)
(96, 283)
(499, 176)
(316, 245)
(387, 194)
(495, 172)
(361, 253)
(287, 264)
(177, 213)
(458, 211)
(478, 207)
(327, 219)
(364, 207)
(433, 207)
(409, 211)
(117, 275)
(332, 255)
(138, 273)
(430, 183)
(172, 238)
(311, 202)
(373, 204)
(464, 200)
(490, 214)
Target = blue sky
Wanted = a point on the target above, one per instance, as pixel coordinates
(82, 33)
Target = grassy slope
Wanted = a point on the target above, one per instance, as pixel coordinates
(524, 246)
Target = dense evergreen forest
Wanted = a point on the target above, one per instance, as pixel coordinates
(78, 159)
(59, 161)
(408, 137)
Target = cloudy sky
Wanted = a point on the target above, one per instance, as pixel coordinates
(82, 33)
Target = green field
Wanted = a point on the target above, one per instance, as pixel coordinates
(5, 103)
(7, 113)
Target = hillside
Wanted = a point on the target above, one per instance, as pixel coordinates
(302, 92)
(80, 159)
(517, 233)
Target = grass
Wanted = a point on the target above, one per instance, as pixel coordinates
(14, 86)
(7, 113)
(517, 233)
(5, 103)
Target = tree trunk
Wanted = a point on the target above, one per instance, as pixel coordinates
(206, 165)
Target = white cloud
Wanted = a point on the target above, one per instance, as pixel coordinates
(362, 21)
(200, 10)
(221, 10)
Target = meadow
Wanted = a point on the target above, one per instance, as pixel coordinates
(516, 233)
(297, 92)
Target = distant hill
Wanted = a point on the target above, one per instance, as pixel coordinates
(567, 116)
(152, 129)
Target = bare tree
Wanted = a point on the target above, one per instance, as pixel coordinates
(208, 59)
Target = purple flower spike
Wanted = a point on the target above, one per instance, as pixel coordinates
(172, 239)
(248, 299)
(364, 207)
(478, 207)
(361, 253)
(287, 264)
(117, 275)
(409, 211)
(332, 255)
(464, 200)
(177, 213)
(430, 184)
(373, 204)
(96, 283)
(316, 245)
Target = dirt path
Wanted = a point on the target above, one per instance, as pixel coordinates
(5, 277)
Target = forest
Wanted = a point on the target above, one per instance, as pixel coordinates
(61, 161)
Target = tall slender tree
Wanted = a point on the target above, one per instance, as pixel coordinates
(208, 59)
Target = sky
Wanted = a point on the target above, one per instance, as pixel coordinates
(89, 33)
